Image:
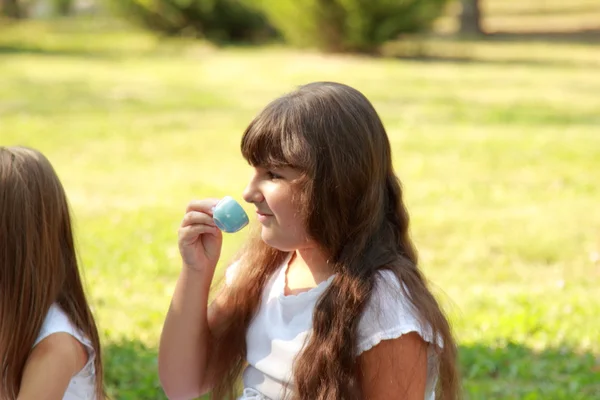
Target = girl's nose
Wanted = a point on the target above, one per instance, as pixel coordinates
(252, 193)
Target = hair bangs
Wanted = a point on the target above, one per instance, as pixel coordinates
(274, 138)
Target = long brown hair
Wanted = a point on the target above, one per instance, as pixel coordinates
(38, 263)
(351, 201)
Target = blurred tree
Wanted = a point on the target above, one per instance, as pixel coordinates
(62, 7)
(215, 20)
(12, 9)
(470, 17)
(349, 25)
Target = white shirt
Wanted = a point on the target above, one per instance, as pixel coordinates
(282, 324)
(82, 385)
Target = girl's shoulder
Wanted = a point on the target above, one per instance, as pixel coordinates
(389, 314)
(58, 321)
(82, 385)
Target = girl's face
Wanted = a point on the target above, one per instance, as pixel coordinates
(272, 192)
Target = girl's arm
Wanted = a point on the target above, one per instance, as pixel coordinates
(185, 343)
(395, 368)
(50, 367)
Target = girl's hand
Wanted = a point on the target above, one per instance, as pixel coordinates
(200, 240)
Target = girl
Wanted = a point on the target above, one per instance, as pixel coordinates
(327, 302)
(49, 347)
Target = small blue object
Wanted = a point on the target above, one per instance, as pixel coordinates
(229, 216)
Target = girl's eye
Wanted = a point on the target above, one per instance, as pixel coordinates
(273, 175)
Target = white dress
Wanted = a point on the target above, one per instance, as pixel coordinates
(82, 385)
(280, 327)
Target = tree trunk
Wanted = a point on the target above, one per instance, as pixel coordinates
(470, 17)
(11, 9)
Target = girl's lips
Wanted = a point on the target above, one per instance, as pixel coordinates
(263, 217)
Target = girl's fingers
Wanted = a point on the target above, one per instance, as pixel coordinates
(189, 234)
(197, 217)
(203, 206)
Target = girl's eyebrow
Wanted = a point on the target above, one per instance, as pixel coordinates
(275, 166)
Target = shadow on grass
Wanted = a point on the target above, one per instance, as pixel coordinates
(510, 371)
(24, 49)
(582, 36)
(576, 9)
(458, 59)
(463, 49)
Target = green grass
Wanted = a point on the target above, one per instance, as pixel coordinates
(500, 158)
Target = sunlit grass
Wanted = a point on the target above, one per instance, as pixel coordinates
(500, 159)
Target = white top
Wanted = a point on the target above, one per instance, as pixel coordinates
(282, 324)
(82, 385)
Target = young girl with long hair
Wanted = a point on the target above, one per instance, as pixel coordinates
(326, 302)
(49, 345)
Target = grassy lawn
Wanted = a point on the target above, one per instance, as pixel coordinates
(500, 158)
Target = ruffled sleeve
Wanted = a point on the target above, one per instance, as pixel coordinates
(389, 314)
